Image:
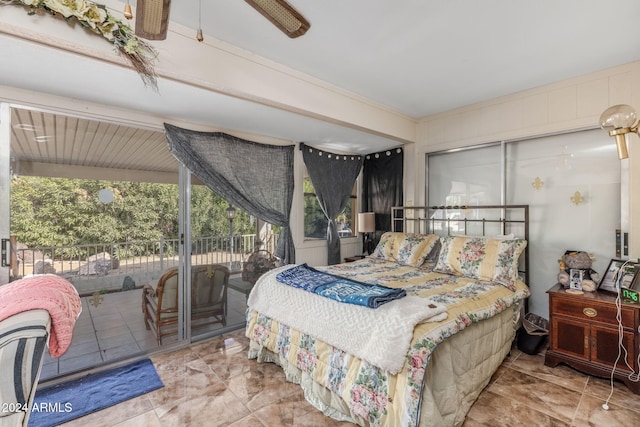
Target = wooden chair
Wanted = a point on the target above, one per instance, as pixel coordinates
(209, 284)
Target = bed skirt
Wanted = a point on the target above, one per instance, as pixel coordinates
(460, 368)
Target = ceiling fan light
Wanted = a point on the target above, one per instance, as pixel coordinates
(152, 19)
(282, 15)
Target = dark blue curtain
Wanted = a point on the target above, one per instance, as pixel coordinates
(333, 177)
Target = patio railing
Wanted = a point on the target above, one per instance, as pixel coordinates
(136, 258)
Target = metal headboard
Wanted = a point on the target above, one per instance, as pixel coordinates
(486, 220)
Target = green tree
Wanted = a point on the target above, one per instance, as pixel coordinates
(68, 212)
(315, 222)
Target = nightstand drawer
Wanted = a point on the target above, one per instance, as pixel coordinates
(592, 310)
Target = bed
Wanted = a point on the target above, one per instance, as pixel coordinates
(420, 359)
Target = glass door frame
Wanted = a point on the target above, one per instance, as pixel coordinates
(184, 255)
(5, 187)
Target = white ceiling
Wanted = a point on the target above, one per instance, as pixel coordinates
(417, 57)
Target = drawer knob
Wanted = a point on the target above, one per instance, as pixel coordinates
(590, 312)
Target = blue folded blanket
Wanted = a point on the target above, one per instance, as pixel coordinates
(338, 288)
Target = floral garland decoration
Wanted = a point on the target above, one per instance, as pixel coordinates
(97, 19)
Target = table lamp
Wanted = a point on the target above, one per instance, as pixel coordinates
(367, 225)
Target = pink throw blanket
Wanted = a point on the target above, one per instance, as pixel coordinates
(48, 292)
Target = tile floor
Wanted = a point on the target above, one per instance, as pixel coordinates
(213, 383)
(114, 329)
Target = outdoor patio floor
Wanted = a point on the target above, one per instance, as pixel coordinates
(114, 329)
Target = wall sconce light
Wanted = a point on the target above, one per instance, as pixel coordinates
(619, 120)
(366, 225)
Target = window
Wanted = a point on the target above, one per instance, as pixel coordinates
(316, 223)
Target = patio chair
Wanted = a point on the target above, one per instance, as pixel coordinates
(209, 285)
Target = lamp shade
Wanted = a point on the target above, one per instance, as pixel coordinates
(618, 117)
(366, 222)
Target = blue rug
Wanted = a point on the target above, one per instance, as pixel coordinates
(67, 401)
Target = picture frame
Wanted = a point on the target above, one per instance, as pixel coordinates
(613, 280)
(635, 283)
(575, 279)
(629, 275)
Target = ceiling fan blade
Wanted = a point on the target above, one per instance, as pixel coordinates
(152, 19)
(282, 15)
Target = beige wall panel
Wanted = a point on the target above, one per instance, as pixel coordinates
(620, 89)
(563, 104)
(591, 96)
(500, 117)
(534, 110)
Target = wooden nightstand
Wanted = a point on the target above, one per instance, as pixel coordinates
(583, 333)
(353, 258)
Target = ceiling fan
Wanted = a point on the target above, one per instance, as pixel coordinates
(152, 17)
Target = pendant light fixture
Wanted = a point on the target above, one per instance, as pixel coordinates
(282, 15)
(127, 10)
(199, 35)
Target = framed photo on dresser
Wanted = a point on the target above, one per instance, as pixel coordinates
(635, 283)
(619, 274)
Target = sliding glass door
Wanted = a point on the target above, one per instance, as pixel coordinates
(571, 182)
(96, 202)
(221, 238)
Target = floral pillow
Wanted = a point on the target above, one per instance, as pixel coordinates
(406, 249)
(387, 247)
(415, 248)
(482, 258)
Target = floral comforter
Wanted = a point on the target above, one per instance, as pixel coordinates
(374, 396)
